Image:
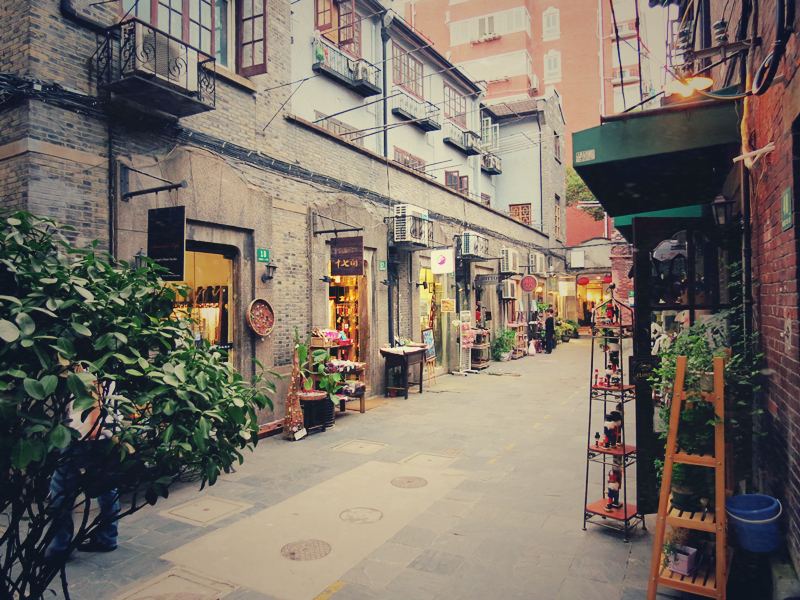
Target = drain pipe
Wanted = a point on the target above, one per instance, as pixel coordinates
(386, 18)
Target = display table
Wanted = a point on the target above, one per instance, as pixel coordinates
(405, 358)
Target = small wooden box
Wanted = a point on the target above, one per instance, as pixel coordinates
(321, 342)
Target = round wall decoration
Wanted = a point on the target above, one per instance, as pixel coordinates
(260, 317)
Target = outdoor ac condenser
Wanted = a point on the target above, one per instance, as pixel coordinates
(509, 289)
(407, 228)
(474, 244)
(167, 59)
(509, 260)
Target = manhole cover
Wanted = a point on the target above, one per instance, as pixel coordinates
(452, 451)
(409, 482)
(361, 516)
(306, 550)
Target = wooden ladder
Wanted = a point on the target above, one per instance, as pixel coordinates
(710, 577)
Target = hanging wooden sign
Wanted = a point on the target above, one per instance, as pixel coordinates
(166, 240)
(347, 256)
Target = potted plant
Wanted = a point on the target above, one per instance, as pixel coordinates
(573, 327)
(330, 381)
(503, 344)
(679, 555)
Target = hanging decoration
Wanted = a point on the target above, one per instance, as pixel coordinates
(260, 317)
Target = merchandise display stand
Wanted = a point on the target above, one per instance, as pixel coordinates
(466, 340)
(710, 577)
(520, 341)
(607, 399)
(480, 349)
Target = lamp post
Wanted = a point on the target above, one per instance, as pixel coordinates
(722, 211)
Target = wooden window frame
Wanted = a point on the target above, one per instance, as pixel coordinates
(408, 72)
(453, 99)
(408, 160)
(461, 181)
(338, 128)
(557, 146)
(255, 68)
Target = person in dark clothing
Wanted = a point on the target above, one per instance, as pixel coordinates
(549, 331)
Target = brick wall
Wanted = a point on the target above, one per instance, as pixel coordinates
(773, 117)
(621, 265)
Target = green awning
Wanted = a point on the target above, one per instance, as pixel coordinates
(624, 224)
(669, 159)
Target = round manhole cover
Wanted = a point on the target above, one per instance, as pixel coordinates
(306, 550)
(409, 482)
(361, 515)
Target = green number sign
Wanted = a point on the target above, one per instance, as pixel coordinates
(262, 255)
(786, 209)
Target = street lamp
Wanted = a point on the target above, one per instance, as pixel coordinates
(138, 259)
(722, 211)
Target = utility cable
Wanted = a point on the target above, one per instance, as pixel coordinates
(619, 52)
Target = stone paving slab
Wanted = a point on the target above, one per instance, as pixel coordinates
(509, 528)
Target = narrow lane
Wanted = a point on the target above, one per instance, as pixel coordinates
(502, 455)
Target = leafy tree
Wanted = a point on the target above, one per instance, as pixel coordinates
(78, 326)
(577, 192)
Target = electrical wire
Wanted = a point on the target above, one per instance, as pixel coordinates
(619, 52)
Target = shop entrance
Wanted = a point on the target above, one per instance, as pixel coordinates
(209, 276)
(589, 296)
(430, 315)
(343, 313)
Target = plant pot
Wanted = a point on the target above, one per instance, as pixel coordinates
(684, 562)
(565, 338)
(706, 381)
(506, 356)
(686, 498)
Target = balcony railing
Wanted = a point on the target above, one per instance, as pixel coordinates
(356, 74)
(421, 114)
(467, 142)
(155, 70)
(491, 163)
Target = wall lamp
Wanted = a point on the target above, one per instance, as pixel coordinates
(326, 279)
(424, 285)
(722, 211)
(385, 282)
(269, 272)
(138, 259)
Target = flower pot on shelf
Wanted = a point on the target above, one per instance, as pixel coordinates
(683, 560)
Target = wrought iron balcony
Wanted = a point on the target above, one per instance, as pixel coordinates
(464, 141)
(155, 70)
(356, 74)
(491, 164)
(422, 114)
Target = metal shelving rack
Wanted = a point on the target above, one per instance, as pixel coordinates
(607, 325)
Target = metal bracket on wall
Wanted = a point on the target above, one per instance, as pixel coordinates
(349, 227)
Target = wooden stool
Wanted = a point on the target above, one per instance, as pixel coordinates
(431, 367)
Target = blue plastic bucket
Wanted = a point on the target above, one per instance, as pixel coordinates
(755, 518)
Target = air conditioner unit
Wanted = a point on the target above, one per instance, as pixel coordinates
(473, 141)
(534, 83)
(537, 263)
(494, 162)
(509, 260)
(364, 71)
(411, 224)
(474, 244)
(509, 289)
(167, 59)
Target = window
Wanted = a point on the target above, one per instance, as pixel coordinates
(455, 106)
(486, 26)
(558, 217)
(500, 23)
(551, 24)
(407, 71)
(490, 134)
(557, 147)
(520, 212)
(552, 67)
(337, 127)
(486, 199)
(338, 22)
(408, 160)
(208, 25)
(459, 183)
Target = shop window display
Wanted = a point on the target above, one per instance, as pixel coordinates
(343, 310)
(430, 315)
(209, 279)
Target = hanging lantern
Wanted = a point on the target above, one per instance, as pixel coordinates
(583, 281)
(607, 279)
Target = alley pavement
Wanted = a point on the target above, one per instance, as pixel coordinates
(472, 489)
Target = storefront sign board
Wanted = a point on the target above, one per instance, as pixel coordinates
(262, 255)
(529, 283)
(642, 368)
(448, 305)
(347, 256)
(787, 219)
(166, 240)
(443, 261)
(482, 280)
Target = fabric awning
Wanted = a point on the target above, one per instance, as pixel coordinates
(677, 156)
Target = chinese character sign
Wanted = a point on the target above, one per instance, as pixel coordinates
(347, 256)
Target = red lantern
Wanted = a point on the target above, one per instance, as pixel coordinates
(583, 281)
(607, 279)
